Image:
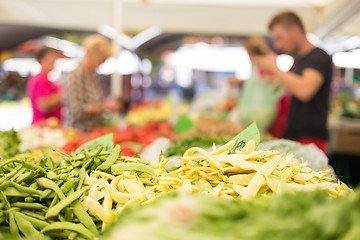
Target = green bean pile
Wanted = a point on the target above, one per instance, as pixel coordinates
(41, 197)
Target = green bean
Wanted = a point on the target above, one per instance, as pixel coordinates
(64, 164)
(34, 186)
(25, 226)
(59, 169)
(45, 193)
(47, 183)
(71, 227)
(82, 173)
(80, 238)
(79, 156)
(98, 152)
(54, 201)
(38, 224)
(13, 192)
(5, 185)
(36, 206)
(59, 235)
(97, 161)
(83, 217)
(51, 175)
(147, 181)
(88, 162)
(87, 155)
(75, 171)
(12, 225)
(64, 175)
(11, 173)
(29, 199)
(9, 162)
(62, 218)
(132, 167)
(73, 235)
(7, 169)
(2, 205)
(55, 210)
(25, 176)
(78, 164)
(67, 186)
(49, 161)
(69, 168)
(33, 214)
(4, 231)
(25, 189)
(68, 214)
(4, 200)
(133, 159)
(111, 159)
(33, 166)
(21, 171)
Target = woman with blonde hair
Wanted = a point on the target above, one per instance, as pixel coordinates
(83, 98)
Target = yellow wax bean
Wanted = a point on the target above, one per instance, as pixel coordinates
(258, 180)
(241, 179)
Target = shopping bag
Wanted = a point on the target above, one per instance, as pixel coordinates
(258, 101)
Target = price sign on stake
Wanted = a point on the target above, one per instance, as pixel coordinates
(250, 133)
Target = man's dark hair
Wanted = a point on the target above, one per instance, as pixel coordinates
(42, 53)
(287, 20)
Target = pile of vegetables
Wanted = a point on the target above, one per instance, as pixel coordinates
(244, 174)
(9, 143)
(299, 216)
(41, 197)
(78, 195)
(179, 147)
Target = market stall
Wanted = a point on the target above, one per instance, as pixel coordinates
(178, 161)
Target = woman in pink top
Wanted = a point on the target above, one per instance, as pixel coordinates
(45, 96)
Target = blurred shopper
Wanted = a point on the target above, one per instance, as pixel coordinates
(308, 80)
(83, 98)
(45, 96)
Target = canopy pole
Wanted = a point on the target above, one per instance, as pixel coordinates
(116, 83)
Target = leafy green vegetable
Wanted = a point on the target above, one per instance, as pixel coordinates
(304, 215)
(9, 143)
(179, 147)
(105, 141)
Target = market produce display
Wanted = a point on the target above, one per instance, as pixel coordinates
(243, 175)
(300, 216)
(78, 195)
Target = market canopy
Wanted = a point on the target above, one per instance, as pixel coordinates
(227, 17)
